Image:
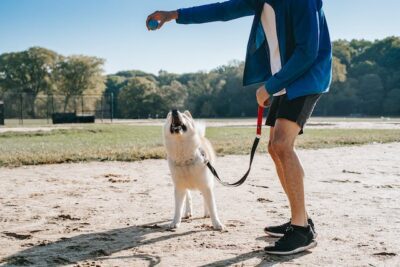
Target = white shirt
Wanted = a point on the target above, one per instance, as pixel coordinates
(268, 20)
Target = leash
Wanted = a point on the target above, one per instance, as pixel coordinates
(253, 151)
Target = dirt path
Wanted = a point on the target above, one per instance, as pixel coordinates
(115, 214)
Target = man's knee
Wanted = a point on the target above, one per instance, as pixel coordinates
(280, 147)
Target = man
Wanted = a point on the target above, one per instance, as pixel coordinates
(289, 53)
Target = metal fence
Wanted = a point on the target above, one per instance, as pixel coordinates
(23, 106)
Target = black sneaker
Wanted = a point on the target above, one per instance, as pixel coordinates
(295, 240)
(311, 223)
(279, 230)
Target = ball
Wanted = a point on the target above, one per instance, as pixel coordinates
(153, 24)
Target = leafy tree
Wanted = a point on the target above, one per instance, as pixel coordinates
(366, 79)
(28, 72)
(359, 46)
(140, 98)
(361, 68)
(76, 75)
(114, 85)
(343, 51)
(166, 78)
(339, 71)
(136, 73)
(372, 94)
(174, 95)
(391, 105)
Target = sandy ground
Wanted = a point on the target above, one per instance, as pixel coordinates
(116, 213)
(20, 129)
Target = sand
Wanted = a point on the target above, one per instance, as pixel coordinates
(21, 129)
(116, 213)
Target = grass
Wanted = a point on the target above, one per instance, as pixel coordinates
(27, 122)
(131, 143)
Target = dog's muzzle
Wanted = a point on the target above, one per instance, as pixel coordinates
(176, 125)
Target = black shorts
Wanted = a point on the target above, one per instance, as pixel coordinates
(298, 110)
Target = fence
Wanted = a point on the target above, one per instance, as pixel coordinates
(22, 106)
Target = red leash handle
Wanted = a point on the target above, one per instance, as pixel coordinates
(259, 120)
(252, 153)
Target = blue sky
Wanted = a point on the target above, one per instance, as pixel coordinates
(115, 30)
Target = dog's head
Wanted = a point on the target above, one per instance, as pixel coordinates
(182, 135)
(179, 124)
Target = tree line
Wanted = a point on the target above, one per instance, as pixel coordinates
(40, 71)
(366, 82)
(366, 79)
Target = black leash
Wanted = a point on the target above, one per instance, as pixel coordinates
(253, 152)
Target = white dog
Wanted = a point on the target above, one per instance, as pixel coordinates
(187, 148)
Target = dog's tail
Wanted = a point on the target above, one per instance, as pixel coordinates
(201, 128)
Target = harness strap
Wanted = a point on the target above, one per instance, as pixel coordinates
(253, 151)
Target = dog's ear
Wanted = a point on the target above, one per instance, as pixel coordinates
(187, 113)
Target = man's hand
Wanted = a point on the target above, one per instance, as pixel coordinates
(161, 17)
(262, 97)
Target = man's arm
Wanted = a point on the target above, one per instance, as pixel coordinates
(224, 11)
(306, 33)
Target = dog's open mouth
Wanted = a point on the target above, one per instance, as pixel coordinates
(177, 126)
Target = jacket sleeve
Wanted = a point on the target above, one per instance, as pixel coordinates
(224, 11)
(305, 23)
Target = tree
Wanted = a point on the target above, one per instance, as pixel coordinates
(343, 51)
(76, 75)
(366, 78)
(166, 78)
(361, 68)
(140, 98)
(339, 71)
(391, 106)
(174, 95)
(114, 85)
(135, 73)
(28, 72)
(371, 94)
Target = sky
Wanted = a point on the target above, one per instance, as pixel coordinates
(115, 30)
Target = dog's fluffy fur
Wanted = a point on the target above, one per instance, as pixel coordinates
(188, 171)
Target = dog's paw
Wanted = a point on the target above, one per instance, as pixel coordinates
(174, 225)
(187, 216)
(220, 227)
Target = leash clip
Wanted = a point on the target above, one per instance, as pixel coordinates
(203, 155)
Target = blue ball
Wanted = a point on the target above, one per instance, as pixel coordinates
(153, 24)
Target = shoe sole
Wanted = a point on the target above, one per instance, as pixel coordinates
(297, 250)
(272, 234)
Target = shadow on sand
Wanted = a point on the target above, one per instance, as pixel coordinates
(265, 259)
(98, 246)
(94, 246)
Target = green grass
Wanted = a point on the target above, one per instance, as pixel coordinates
(27, 122)
(131, 143)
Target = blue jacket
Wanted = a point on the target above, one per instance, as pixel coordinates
(304, 43)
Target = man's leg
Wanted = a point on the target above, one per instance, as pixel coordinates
(275, 158)
(278, 164)
(282, 144)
